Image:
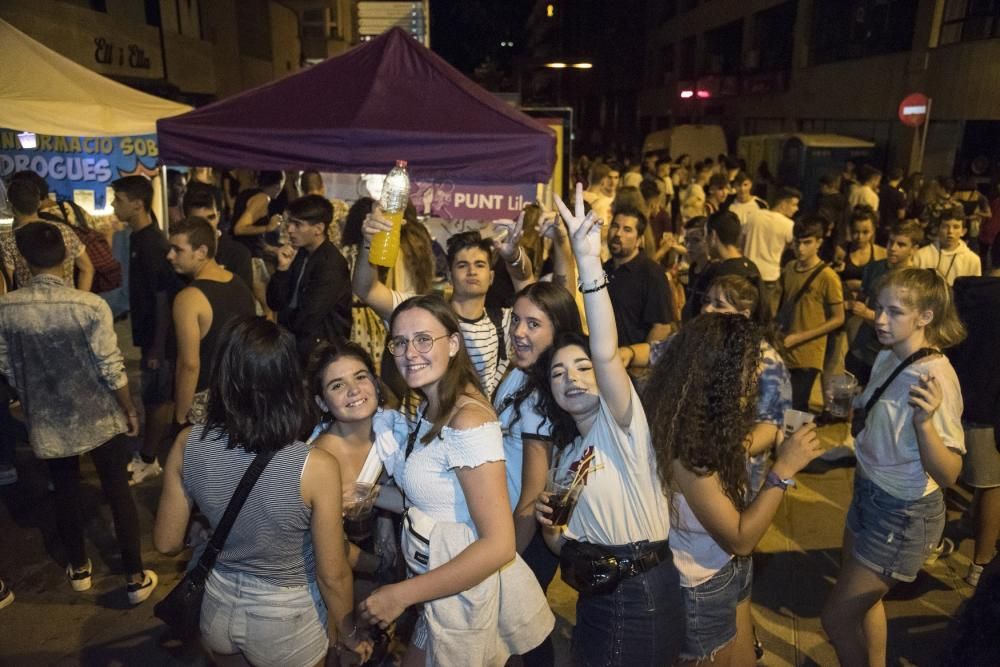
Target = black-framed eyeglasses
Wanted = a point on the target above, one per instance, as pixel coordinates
(421, 343)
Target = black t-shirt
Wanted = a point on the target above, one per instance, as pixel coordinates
(235, 258)
(890, 201)
(640, 297)
(149, 272)
(737, 266)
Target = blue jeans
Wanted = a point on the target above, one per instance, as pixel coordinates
(11, 430)
(640, 623)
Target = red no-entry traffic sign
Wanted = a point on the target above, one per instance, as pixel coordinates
(913, 109)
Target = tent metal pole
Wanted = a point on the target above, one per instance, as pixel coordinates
(164, 218)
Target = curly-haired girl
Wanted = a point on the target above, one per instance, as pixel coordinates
(701, 431)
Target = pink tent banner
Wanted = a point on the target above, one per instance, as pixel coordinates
(463, 201)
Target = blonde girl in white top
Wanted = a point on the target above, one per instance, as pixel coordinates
(910, 449)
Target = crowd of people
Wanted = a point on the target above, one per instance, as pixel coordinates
(604, 389)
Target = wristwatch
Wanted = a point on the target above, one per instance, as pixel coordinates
(773, 480)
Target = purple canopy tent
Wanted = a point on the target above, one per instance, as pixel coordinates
(389, 99)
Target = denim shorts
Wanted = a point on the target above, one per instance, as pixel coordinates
(711, 609)
(640, 623)
(268, 624)
(892, 536)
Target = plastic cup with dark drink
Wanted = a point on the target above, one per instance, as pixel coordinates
(563, 494)
(359, 518)
(840, 391)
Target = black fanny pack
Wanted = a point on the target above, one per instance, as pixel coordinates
(592, 569)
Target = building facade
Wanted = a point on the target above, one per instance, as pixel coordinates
(192, 51)
(831, 66)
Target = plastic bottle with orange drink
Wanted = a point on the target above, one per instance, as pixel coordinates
(395, 196)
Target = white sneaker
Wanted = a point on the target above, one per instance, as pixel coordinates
(945, 548)
(142, 471)
(138, 593)
(975, 571)
(135, 459)
(6, 595)
(80, 579)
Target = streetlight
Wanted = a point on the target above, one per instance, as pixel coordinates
(562, 65)
(28, 140)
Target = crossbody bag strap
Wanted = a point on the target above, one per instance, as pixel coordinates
(805, 286)
(916, 356)
(214, 547)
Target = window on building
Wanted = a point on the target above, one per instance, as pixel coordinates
(968, 20)
(846, 29)
(153, 13)
(724, 49)
(667, 64)
(688, 56)
(254, 28)
(668, 10)
(773, 39)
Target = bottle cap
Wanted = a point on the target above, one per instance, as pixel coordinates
(401, 163)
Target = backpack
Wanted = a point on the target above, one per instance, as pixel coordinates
(107, 269)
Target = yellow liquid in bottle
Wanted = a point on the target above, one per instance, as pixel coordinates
(385, 245)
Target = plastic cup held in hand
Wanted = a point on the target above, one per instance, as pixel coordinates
(796, 419)
(359, 501)
(840, 391)
(564, 490)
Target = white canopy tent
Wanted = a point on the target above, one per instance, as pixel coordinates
(43, 92)
(46, 93)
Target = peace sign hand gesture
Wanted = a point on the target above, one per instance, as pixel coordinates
(584, 230)
(509, 236)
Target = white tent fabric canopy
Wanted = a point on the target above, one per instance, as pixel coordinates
(46, 93)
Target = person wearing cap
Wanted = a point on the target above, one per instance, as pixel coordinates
(949, 255)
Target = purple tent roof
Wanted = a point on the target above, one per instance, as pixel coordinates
(389, 99)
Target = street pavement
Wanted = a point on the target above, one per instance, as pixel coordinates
(50, 624)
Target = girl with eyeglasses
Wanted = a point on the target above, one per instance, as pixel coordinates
(458, 530)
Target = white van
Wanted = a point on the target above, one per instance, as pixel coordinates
(698, 141)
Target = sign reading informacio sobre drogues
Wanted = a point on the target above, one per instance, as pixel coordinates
(80, 168)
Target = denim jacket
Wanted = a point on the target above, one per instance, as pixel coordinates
(59, 350)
